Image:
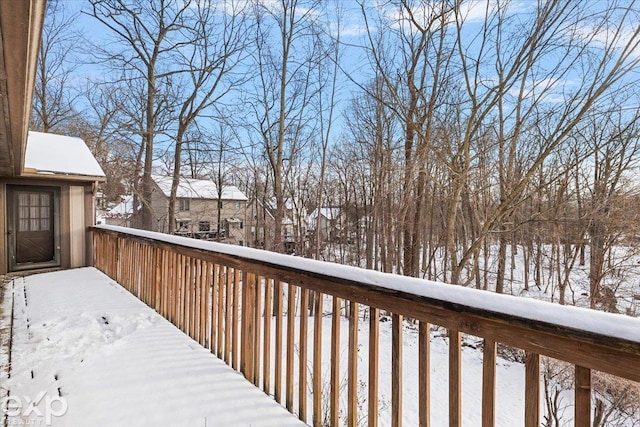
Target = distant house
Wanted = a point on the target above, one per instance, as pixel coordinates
(328, 220)
(260, 230)
(294, 226)
(196, 210)
(261, 224)
(49, 205)
(121, 214)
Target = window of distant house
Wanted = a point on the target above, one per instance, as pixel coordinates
(182, 225)
(204, 226)
(241, 225)
(184, 205)
(238, 205)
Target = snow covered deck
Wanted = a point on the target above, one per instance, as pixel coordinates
(93, 354)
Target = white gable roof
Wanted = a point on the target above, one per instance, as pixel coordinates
(189, 188)
(329, 213)
(48, 153)
(122, 209)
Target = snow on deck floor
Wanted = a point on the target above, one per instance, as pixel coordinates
(116, 362)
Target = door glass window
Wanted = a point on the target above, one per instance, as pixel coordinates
(34, 212)
(23, 201)
(45, 212)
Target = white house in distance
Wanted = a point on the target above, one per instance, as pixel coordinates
(261, 221)
(328, 220)
(121, 214)
(198, 208)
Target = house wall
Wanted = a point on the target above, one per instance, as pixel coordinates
(201, 210)
(159, 209)
(76, 214)
(76, 226)
(260, 230)
(207, 210)
(260, 227)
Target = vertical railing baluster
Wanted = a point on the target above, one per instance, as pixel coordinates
(374, 351)
(195, 298)
(583, 397)
(203, 303)
(352, 367)
(455, 378)
(317, 360)
(489, 383)
(291, 317)
(396, 370)
(268, 312)
(141, 253)
(158, 279)
(532, 390)
(170, 259)
(277, 292)
(141, 272)
(214, 307)
(302, 365)
(257, 314)
(228, 309)
(209, 304)
(181, 290)
(236, 319)
(424, 374)
(335, 364)
(220, 310)
(188, 301)
(248, 326)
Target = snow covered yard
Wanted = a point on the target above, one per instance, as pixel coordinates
(91, 354)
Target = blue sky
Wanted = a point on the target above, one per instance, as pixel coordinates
(355, 63)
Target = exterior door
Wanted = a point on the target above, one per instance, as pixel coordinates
(33, 234)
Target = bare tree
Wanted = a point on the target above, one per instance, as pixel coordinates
(144, 35)
(217, 38)
(411, 57)
(553, 33)
(103, 127)
(53, 95)
(326, 106)
(285, 84)
(613, 138)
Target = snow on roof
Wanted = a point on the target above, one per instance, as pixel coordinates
(124, 208)
(582, 319)
(48, 153)
(329, 213)
(289, 203)
(190, 188)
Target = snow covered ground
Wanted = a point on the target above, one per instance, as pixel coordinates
(510, 376)
(91, 354)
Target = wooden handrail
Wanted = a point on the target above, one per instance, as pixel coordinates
(182, 274)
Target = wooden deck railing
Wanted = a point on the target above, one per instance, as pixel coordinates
(236, 301)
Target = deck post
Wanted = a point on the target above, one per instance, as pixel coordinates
(248, 326)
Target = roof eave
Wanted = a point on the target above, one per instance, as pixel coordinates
(30, 173)
(20, 33)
